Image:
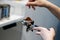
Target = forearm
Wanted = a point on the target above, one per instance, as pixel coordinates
(54, 9)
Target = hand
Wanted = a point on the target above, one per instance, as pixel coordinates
(45, 33)
(40, 3)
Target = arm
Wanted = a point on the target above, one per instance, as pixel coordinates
(44, 3)
(54, 9)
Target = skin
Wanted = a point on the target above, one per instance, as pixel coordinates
(45, 33)
(55, 10)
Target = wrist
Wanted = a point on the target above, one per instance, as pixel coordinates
(49, 39)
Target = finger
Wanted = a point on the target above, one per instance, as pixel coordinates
(38, 28)
(31, 0)
(38, 33)
(33, 7)
(31, 4)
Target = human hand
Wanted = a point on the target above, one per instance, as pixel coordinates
(45, 33)
(40, 3)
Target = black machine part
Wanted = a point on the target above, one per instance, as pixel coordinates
(9, 26)
(29, 25)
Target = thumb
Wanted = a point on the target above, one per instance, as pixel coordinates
(52, 31)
